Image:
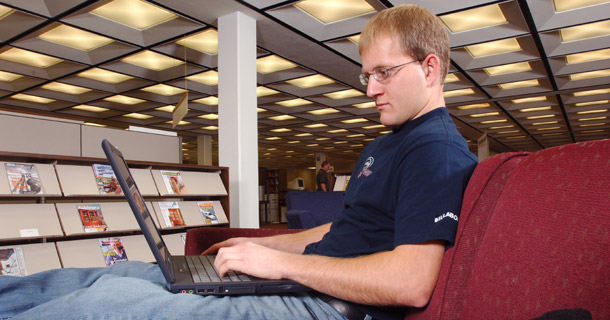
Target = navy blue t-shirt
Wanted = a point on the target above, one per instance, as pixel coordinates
(406, 188)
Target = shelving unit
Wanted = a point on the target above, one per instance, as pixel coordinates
(48, 227)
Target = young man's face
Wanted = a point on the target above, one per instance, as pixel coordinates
(402, 96)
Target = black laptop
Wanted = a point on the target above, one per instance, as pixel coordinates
(187, 274)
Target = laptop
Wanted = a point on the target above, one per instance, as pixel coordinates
(188, 274)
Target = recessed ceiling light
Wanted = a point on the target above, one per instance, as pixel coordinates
(209, 78)
(565, 5)
(307, 134)
(595, 118)
(474, 106)
(543, 123)
(585, 31)
(482, 17)
(515, 137)
(168, 108)
(95, 124)
(365, 105)
(548, 128)
(519, 84)
(592, 124)
(344, 94)
(493, 121)
(494, 47)
(593, 131)
(134, 13)
(311, 81)
(31, 98)
(507, 132)
(460, 92)
(541, 117)
(591, 103)
(592, 111)
(272, 63)
(210, 101)
(138, 116)
(210, 128)
(324, 111)
(356, 120)
(294, 102)
(355, 39)
(588, 56)
(487, 114)
(552, 134)
(329, 11)
(104, 76)
(282, 117)
(8, 76)
(508, 68)
(377, 126)
(180, 123)
(65, 88)
(75, 38)
(527, 100)
(281, 130)
(209, 116)
(535, 109)
(205, 41)
(29, 58)
(355, 135)
(322, 139)
(591, 92)
(152, 60)
(164, 90)
(590, 75)
(124, 99)
(337, 131)
(316, 125)
(293, 142)
(264, 91)
(451, 77)
(501, 127)
(5, 11)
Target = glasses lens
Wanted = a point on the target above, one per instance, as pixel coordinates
(364, 78)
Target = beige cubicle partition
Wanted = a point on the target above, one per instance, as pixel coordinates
(39, 135)
(79, 180)
(133, 145)
(195, 182)
(175, 243)
(29, 220)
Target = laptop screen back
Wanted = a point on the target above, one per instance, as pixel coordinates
(136, 202)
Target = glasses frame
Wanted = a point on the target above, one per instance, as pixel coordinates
(382, 74)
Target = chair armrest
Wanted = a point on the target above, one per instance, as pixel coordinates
(300, 219)
(199, 239)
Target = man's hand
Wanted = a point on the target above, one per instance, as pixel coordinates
(250, 258)
(227, 243)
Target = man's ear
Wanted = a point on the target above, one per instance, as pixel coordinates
(432, 67)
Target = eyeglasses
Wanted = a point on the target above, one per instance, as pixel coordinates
(381, 74)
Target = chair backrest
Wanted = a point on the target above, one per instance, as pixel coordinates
(323, 207)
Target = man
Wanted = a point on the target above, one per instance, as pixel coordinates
(322, 178)
(385, 251)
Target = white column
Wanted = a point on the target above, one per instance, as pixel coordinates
(237, 122)
(204, 150)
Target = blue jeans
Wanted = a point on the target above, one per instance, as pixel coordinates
(137, 290)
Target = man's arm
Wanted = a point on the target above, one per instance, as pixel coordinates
(293, 242)
(405, 276)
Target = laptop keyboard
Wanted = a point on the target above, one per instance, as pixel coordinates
(202, 270)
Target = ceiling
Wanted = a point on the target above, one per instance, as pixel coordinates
(532, 74)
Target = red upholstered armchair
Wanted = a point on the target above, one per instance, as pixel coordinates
(533, 237)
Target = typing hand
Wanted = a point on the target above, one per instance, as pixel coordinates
(251, 259)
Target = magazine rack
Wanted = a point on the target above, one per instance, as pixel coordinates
(50, 230)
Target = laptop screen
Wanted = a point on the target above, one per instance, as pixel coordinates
(136, 202)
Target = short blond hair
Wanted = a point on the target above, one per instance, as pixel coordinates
(419, 31)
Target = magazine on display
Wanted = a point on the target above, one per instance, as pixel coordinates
(92, 218)
(208, 213)
(23, 178)
(173, 182)
(12, 262)
(105, 179)
(171, 214)
(113, 250)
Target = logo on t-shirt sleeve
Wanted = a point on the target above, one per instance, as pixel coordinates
(365, 169)
(446, 215)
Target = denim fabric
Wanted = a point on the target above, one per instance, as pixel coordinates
(136, 290)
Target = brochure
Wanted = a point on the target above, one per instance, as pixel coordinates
(91, 217)
(171, 214)
(208, 213)
(173, 182)
(105, 179)
(23, 178)
(113, 250)
(12, 262)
